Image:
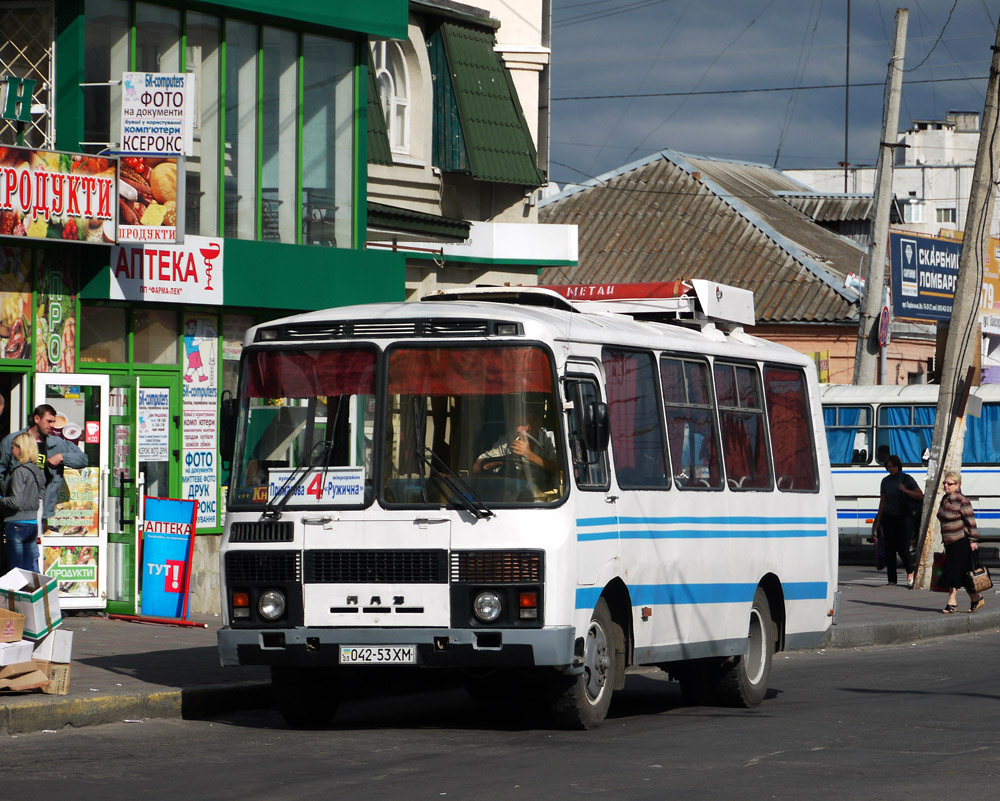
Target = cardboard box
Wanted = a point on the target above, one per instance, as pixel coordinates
(56, 647)
(17, 669)
(13, 652)
(11, 626)
(35, 680)
(58, 676)
(36, 597)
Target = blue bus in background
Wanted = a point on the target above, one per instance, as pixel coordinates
(866, 424)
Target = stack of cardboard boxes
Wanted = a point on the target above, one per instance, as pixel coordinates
(34, 651)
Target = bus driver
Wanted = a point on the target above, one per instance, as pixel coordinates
(531, 445)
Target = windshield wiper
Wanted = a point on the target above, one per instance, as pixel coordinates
(462, 493)
(273, 508)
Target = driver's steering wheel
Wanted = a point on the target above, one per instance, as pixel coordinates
(503, 465)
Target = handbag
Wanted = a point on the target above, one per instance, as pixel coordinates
(879, 551)
(937, 571)
(979, 576)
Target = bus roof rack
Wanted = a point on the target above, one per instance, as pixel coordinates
(695, 300)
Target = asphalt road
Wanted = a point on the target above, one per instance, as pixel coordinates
(885, 723)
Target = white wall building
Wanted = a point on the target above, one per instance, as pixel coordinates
(931, 178)
(447, 168)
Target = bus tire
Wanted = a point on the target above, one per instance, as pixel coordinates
(582, 701)
(743, 679)
(305, 697)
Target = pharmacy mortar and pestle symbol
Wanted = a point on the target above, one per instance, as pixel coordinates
(208, 254)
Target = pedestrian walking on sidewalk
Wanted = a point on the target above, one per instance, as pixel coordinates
(961, 538)
(900, 495)
(54, 454)
(22, 494)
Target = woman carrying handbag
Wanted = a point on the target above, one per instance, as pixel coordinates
(961, 539)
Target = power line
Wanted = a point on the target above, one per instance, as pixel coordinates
(769, 89)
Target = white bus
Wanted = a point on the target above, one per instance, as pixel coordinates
(526, 487)
(865, 424)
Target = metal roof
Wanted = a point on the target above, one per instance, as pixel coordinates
(496, 136)
(379, 151)
(673, 216)
(838, 208)
(416, 224)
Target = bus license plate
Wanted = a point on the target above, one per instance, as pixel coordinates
(378, 655)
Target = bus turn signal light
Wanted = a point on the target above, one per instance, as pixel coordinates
(528, 602)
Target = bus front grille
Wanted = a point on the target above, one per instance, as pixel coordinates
(266, 531)
(257, 567)
(376, 567)
(506, 567)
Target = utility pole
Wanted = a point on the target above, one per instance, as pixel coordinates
(959, 349)
(873, 273)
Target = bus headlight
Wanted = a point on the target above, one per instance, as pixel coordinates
(271, 605)
(487, 606)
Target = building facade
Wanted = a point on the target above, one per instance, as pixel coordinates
(136, 344)
(455, 186)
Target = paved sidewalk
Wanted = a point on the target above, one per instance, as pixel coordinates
(129, 671)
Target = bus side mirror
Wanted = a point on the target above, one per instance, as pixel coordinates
(596, 431)
(229, 409)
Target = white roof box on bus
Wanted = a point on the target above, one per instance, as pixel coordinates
(696, 299)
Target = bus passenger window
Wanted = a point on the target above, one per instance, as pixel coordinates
(792, 446)
(849, 434)
(742, 415)
(691, 433)
(636, 429)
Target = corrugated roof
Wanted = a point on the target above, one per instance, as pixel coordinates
(417, 223)
(497, 139)
(673, 216)
(837, 208)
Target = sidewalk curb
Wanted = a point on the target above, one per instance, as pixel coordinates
(860, 635)
(47, 713)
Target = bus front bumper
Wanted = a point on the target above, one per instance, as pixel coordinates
(435, 648)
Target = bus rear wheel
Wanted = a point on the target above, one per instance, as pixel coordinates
(582, 701)
(743, 679)
(306, 697)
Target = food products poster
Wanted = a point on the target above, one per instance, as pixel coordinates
(55, 323)
(148, 198)
(74, 567)
(77, 511)
(45, 194)
(15, 302)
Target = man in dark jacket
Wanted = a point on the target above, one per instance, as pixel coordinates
(54, 454)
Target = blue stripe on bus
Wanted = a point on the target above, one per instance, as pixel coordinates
(684, 594)
(769, 529)
(695, 534)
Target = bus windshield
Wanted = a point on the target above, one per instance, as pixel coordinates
(485, 416)
(306, 428)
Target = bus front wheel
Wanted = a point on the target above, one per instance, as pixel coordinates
(743, 679)
(582, 701)
(306, 697)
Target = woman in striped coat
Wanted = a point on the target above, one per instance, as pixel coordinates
(961, 539)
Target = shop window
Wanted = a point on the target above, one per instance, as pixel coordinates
(106, 43)
(154, 337)
(279, 91)
(393, 89)
(157, 38)
(241, 130)
(234, 328)
(102, 335)
(202, 173)
(327, 131)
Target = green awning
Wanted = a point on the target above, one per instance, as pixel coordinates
(479, 127)
(416, 224)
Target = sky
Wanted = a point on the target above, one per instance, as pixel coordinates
(626, 77)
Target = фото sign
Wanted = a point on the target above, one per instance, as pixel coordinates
(153, 113)
(924, 274)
